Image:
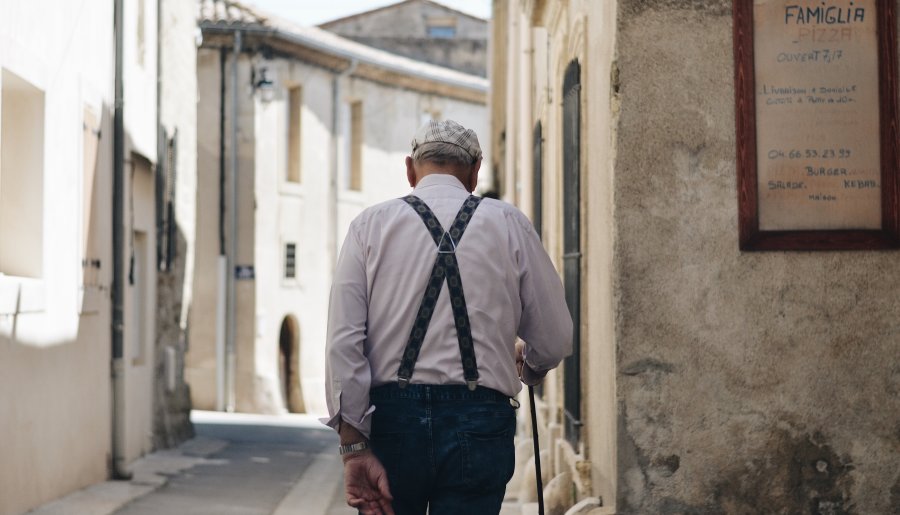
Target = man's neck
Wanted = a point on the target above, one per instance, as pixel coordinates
(438, 170)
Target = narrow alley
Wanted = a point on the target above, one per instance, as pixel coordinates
(236, 464)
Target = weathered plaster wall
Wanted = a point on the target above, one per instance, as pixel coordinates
(178, 114)
(747, 382)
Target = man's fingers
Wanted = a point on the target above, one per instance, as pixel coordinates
(384, 489)
(386, 506)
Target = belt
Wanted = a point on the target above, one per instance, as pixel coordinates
(443, 392)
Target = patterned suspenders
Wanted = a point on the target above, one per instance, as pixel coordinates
(445, 266)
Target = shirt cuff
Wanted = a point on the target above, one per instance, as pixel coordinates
(532, 377)
(363, 425)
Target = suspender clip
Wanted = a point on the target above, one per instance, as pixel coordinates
(472, 384)
(402, 382)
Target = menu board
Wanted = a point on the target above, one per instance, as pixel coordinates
(818, 158)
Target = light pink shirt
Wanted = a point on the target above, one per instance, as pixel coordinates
(510, 285)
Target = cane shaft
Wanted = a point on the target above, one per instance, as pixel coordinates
(537, 452)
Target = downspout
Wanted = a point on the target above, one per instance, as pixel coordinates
(222, 263)
(233, 229)
(118, 469)
(333, 180)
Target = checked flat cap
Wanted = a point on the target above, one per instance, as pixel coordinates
(448, 131)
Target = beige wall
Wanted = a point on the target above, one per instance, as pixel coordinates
(284, 212)
(200, 360)
(714, 381)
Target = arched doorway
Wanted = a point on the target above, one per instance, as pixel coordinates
(289, 365)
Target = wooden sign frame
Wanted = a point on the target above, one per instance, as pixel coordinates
(750, 235)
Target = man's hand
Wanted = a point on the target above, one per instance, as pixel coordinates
(520, 357)
(526, 374)
(366, 484)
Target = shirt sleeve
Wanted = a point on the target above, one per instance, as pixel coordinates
(546, 325)
(347, 372)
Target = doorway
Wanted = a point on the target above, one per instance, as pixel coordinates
(289, 365)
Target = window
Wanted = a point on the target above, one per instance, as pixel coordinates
(21, 177)
(441, 32)
(295, 102)
(356, 146)
(441, 27)
(290, 260)
(571, 133)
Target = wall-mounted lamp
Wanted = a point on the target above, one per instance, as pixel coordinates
(262, 84)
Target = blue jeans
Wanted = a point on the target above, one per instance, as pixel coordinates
(445, 448)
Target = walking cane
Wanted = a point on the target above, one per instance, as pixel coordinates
(537, 452)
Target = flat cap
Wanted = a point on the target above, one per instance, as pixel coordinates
(450, 132)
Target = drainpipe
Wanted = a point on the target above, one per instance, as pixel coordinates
(222, 263)
(233, 230)
(118, 469)
(333, 180)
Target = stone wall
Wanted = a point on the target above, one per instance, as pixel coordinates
(747, 382)
(403, 29)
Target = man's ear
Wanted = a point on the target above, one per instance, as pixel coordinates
(410, 172)
(473, 177)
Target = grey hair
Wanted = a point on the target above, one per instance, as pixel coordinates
(441, 153)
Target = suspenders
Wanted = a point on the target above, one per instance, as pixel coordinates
(445, 267)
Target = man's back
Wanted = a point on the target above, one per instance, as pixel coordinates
(495, 257)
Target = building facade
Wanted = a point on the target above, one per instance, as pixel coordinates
(422, 30)
(705, 379)
(311, 128)
(72, 166)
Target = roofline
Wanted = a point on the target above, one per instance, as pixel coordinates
(478, 85)
(328, 24)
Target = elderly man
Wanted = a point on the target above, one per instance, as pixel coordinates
(421, 379)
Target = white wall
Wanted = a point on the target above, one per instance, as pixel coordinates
(54, 354)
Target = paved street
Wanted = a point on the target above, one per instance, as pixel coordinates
(236, 464)
(268, 465)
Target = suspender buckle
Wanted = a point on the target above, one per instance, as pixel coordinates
(472, 384)
(452, 244)
(402, 382)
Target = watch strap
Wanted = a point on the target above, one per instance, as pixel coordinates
(354, 447)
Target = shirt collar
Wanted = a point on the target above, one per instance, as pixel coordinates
(439, 179)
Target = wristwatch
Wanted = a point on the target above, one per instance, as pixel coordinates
(354, 447)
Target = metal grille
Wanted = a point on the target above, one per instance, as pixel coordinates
(537, 177)
(572, 244)
(160, 187)
(166, 173)
(171, 177)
